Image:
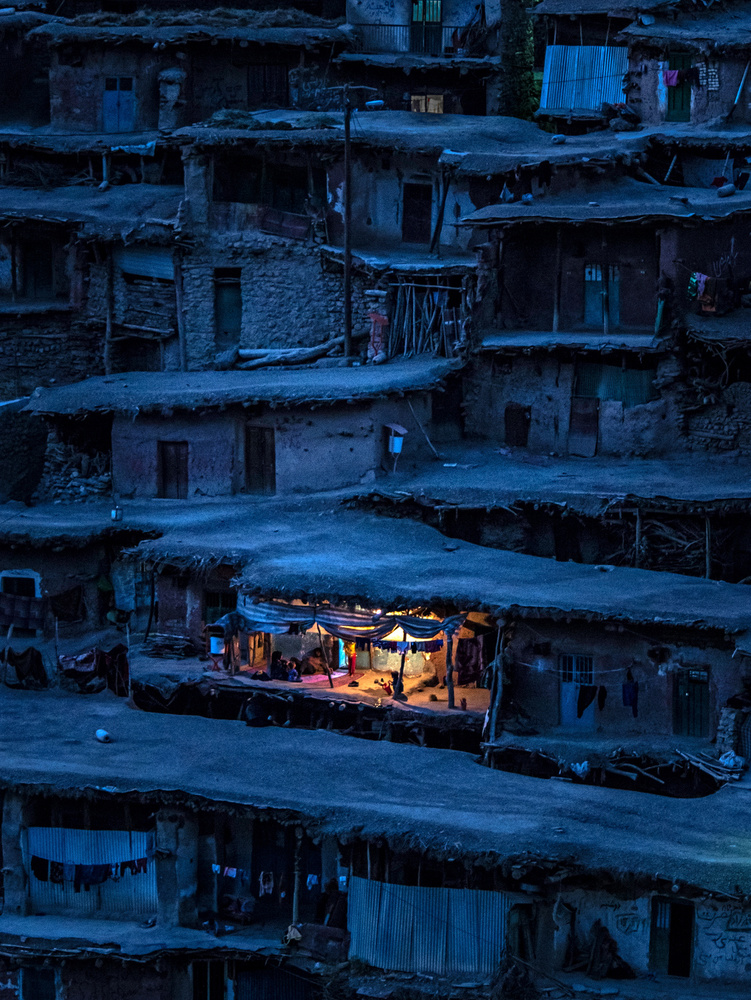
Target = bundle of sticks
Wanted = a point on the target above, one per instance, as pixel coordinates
(423, 322)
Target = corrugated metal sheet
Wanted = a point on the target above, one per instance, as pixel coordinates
(581, 77)
(133, 894)
(146, 262)
(629, 386)
(418, 929)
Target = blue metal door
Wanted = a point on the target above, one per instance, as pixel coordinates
(118, 105)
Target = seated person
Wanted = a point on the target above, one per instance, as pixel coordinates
(314, 662)
(278, 667)
(293, 670)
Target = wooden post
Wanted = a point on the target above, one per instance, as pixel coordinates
(180, 317)
(347, 226)
(298, 877)
(497, 690)
(450, 669)
(637, 543)
(707, 547)
(110, 317)
(13, 264)
(605, 289)
(325, 656)
(557, 279)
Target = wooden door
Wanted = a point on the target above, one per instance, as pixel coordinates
(173, 470)
(691, 703)
(417, 213)
(583, 426)
(679, 98)
(517, 419)
(260, 460)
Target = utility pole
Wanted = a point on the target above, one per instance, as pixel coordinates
(347, 226)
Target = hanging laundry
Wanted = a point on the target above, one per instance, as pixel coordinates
(40, 868)
(311, 881)
(266, 884)
(142, 865)
(69, 871)
(602, 693)
(671, 77)
(587, 693)
(216, 869)
(631, 694)
(230, 872)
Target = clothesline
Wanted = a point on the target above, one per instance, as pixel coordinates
(59, 872)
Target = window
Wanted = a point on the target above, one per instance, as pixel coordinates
(426, 35)
(432, 103)
(217, 603)
(228, 307)
(173, 470)
(575, 669)
(597, 293)
(209, 980)
(21, 586)
(118, 105)
(260, 460)
(417, 213)
(268, 84)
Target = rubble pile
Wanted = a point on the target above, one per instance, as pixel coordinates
(70, 474)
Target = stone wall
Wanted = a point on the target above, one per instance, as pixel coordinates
(45, 348)
(290, 296)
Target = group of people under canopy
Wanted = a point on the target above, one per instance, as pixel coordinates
(294, 668)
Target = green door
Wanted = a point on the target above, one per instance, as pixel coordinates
(679, 98)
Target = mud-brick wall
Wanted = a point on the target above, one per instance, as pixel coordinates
(535, 675)
(23, 439)
(289, 297)
(544, 382)
(315, 449)
(715, 95)
(77, 91)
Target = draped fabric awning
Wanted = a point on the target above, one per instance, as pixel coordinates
(280, 618)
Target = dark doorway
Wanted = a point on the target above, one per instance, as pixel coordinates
(583, 426)
(517, 419)
(691, 703)
(173, 470)
(228, 307)
(37, 270)
(672, 938)
(417, 213)
(260, 460)
(209, 980)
